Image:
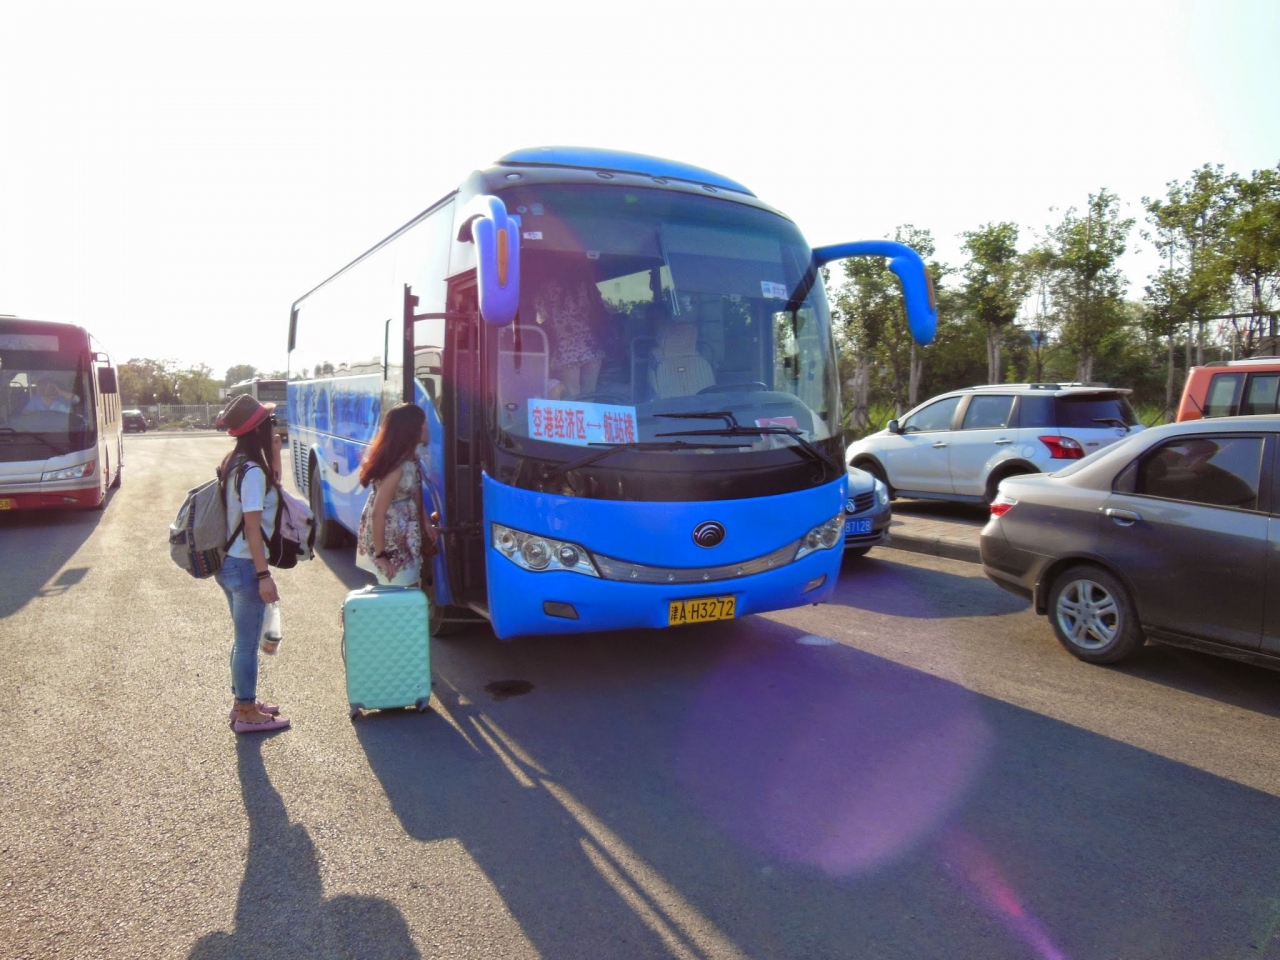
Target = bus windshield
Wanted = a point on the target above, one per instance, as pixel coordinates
(45, 402)
(273, 391)
(645, 315)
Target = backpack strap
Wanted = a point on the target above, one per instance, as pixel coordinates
(241, 468)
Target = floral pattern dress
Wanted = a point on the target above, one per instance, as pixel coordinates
(403, 535)
(570, 311)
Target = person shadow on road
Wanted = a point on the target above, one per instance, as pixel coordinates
(282, 911)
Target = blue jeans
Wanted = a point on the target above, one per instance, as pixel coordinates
(239, 582)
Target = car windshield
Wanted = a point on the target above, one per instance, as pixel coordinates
(644, 313)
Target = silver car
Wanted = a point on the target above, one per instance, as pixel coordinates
(1173, 534)
(960, 445)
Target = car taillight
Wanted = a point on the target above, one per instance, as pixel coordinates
(1002, 504)
(1063, 448)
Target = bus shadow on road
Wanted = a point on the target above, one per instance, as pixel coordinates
(282, 910)
(741, 790)
(35, 545)
(890, 587)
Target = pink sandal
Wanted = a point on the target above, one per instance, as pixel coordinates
(270, 708)
(262, 726)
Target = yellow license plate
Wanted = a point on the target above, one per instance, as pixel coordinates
(6, 504)
(701, 610)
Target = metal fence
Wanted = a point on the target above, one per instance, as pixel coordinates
(181, 416)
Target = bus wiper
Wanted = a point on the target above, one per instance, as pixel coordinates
(740, 431)
(637, 445)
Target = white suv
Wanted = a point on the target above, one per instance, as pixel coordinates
(960, 445)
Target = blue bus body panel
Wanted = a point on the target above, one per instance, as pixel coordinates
(337, 419)
(591, 158)
(654, 534)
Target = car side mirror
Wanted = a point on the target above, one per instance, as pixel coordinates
(894, 426)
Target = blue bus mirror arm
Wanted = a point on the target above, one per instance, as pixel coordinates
(917, 285)
(497, 238)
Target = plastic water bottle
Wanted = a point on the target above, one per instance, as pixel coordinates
(271, 628)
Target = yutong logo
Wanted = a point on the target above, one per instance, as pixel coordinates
(708, 533)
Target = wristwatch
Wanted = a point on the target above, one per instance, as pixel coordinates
(382, 555)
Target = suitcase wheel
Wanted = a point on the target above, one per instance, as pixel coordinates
(354, 712)
(422, 704)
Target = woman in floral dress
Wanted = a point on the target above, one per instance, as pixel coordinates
(575, 310)
(390, 538)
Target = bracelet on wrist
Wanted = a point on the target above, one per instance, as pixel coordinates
(263, 574)
(382, 555)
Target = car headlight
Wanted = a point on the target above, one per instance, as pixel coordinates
(882, 493)
(79, 471)
(822, 537)
(540, 554)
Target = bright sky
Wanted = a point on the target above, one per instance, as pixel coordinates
(174, 175)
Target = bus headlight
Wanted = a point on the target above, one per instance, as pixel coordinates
(541, 554)
(822, 537)
(77, 472)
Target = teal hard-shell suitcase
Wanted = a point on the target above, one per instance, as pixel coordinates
(386, 648)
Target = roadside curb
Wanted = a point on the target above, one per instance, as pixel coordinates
(944, 547)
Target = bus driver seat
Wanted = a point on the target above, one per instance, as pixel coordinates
(678, 370)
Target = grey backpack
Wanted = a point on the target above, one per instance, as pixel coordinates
(198, 539)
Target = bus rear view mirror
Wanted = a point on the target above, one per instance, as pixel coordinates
(917, 286)
(107, 380)
(497, 238)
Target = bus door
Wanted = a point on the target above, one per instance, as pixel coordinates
(462, 412)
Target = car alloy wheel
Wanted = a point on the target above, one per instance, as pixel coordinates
(1093, 616)
(1088, 614)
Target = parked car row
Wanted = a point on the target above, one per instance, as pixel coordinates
(1115, 533)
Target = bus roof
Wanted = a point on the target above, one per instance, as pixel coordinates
(618, 161)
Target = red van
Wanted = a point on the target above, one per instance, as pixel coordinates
(1231, 388)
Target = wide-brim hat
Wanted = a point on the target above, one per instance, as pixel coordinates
(243, 414)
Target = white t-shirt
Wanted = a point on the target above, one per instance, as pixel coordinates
(254, 495)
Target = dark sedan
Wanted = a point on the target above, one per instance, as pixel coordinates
(1172, 534)
(134, 421)
(866, 514)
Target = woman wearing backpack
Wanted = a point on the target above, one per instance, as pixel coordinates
(250, 478)
(389, 541)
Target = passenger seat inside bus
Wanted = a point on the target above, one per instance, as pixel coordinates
(678, 369)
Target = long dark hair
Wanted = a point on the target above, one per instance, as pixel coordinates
(254, 446)
(397, 437)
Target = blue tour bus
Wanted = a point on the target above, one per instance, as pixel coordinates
(630, 381)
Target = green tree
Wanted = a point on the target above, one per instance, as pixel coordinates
(1253, 251)
(1189, 231)
(146, 382)
(196, 385)
(1042, 323)
(996, 282)
(240, 372)
(878, 353)
(1088, 286)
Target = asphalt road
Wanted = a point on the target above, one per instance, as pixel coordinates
(916, 769)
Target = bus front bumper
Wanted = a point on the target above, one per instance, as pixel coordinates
(50, 495)
(529, 603)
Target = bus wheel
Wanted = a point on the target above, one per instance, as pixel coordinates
(115, 484)
(328, 533)
(436, 625)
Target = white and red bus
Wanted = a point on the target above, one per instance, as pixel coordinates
(61, 433)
